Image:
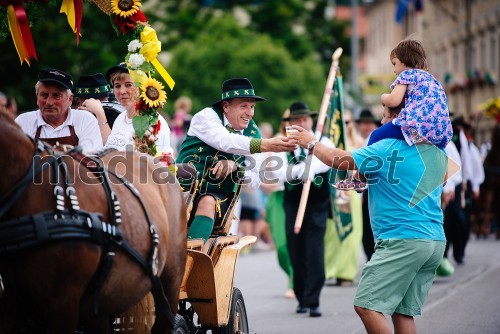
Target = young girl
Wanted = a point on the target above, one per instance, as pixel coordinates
(425, 117)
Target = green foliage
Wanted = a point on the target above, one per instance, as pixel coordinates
(225, 50)
(141, 124)
(208, 47)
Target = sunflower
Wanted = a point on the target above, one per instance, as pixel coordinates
(153, 93)
(125, 8)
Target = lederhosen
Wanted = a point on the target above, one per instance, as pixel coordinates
(72, 139)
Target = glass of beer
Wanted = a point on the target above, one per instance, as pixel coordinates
(290, 129)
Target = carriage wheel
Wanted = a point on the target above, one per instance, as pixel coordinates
(180, 325)
(238, 322)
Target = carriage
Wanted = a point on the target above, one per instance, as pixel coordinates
(67, 242)
(208, 299)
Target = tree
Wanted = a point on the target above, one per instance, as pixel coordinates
(225, 50)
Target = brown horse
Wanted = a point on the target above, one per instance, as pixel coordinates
(61, 280)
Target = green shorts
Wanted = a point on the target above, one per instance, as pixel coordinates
(399, 276)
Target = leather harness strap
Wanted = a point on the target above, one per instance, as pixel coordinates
(75, 224)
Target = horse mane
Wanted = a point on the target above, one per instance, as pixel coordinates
(5, 119)
(16, 149)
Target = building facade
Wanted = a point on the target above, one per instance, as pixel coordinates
(462, 41)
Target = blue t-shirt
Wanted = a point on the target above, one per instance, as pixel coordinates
(405, 185)
(388, 130)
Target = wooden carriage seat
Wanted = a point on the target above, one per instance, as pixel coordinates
(195, 244)
(213, 247)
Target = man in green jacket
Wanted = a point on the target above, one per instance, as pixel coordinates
(220, 139)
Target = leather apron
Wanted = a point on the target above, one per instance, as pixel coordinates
(72, 139)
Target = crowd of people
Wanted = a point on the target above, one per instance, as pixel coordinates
(408, 222)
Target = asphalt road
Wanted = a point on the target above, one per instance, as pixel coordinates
(468, 302)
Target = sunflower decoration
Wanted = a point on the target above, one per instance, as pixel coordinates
(152, 93)
(125, 8)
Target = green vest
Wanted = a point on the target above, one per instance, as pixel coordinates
(203, 157)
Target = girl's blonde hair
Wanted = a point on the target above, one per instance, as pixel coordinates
(411, 53)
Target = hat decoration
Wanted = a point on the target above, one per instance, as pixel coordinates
(94, 86)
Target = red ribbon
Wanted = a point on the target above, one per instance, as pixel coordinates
(78, 18)
(24, 24)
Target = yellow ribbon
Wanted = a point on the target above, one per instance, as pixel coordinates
(151, 46)
(73, 10)
(68, 8)
(17, 36)
(164, 74)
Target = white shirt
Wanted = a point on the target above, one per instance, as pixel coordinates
(456, 178)
(465, 154)
(297, 169)
(477, 178)
(208, 127)
(122, 135)
(84, 123)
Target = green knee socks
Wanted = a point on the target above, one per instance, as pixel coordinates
(201, 227)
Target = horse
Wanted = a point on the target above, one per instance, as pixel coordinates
(76, 253)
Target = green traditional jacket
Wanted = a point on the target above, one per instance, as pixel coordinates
(203, 156)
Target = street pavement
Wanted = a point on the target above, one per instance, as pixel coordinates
(468, 302)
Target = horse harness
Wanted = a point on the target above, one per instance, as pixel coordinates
(73, 223)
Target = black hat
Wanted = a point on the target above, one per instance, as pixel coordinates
(299, 109)
(121, 67)
(237, 88)
(366, 116)
(59, 77)
(92, 86)
(461, 121)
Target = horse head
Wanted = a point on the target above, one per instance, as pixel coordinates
(67, 222)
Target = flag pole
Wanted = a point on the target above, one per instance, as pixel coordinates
(319, 130)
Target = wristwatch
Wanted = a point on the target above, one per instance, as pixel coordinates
(310, 146)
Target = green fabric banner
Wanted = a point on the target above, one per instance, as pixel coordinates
(335, 130)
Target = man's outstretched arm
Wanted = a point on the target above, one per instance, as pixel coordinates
(333, 157)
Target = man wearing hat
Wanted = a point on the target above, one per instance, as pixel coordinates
(366, 123)
(55, 122)
(89, 91)
(306, 248)
(220, 139)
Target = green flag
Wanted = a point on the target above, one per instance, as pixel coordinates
(335, 131)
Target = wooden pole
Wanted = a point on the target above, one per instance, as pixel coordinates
(319, 130)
